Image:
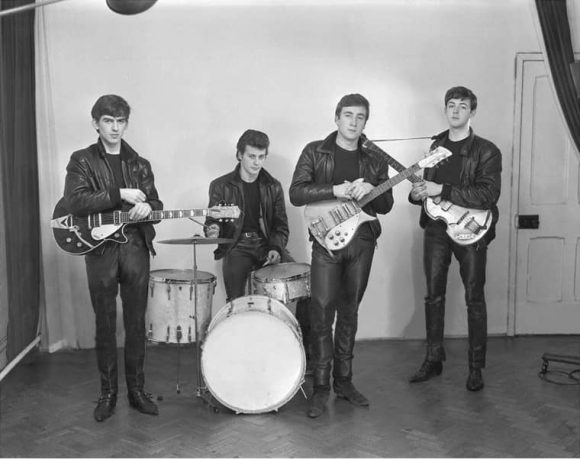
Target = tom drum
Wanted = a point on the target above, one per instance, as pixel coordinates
(171, 305)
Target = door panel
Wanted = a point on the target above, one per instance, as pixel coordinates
(547, 279)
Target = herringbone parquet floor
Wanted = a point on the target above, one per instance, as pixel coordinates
(47, 402)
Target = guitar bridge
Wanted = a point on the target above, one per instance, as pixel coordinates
(318, 227)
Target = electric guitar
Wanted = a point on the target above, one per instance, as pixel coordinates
(80, 235)
(465, 226)
(333, 223)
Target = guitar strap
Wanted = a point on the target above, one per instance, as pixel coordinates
(413, 178)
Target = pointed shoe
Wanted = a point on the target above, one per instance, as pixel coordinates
(105, 406)
(347, 391)
(474, 380)
(143, 402)
(317, 403)
(427, 371)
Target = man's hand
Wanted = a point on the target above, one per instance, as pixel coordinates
(132, 195)
(273, 258)
(432, 188)
(341, 191)
(139, 211)
(213, 231)
(422, 190)
(358, 189)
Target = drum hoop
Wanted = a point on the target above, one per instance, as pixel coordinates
(167, 280)
(274, 407)
(301, 275)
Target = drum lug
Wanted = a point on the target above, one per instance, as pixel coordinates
(168, 334)
(178, 334)
(169, 291)
(150, 332)
(189, 334)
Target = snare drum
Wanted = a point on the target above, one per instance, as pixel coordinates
(171, 305)
(253, 360)
(285, 282)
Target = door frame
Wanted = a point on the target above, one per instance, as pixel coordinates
(521, 59)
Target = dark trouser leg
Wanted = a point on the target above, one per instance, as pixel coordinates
(102, 272)
(134, 280)
(325, 277)
(239, 262)
(302, 313)
(358, 258)
(472, 264)
(436, 260)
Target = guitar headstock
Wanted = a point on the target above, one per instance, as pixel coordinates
(436, 156)
(224, 212)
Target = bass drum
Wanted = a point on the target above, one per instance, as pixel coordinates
(253, 359)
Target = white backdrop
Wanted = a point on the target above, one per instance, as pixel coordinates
(198, 73)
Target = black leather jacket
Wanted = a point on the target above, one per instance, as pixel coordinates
(90, 184)
(313, 176)
(228, 189)
(480, 178)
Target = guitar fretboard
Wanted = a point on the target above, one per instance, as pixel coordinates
(380, 189)
(120, 218)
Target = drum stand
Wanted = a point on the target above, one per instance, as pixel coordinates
(201, 390)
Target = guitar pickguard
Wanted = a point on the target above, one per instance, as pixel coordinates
(339, 236)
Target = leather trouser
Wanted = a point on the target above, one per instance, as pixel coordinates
(338, 283)
(125, 265)
(246, 256)
(438, 248)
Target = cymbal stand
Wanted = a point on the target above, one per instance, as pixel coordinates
(201, 390)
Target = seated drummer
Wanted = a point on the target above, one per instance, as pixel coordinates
(260, 234)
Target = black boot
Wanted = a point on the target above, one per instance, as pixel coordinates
(346, 390)
(317, 402)
(143, 402)
(474, 380)
(105, 406)
(427, 371)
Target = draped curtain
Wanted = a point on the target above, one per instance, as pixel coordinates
(553, 18)
(21, 265)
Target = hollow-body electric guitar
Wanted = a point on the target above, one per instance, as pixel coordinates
(80, 235)
(465, 226)
(333, 223)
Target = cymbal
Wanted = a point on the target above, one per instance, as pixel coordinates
(200, 240)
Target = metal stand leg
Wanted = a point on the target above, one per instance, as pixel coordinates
(201, 390)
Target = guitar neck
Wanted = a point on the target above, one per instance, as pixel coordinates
(380, 189)
(120, 218)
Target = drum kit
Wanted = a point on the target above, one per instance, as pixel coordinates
(250, 356)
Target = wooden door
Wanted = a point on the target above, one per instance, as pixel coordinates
(546, 210)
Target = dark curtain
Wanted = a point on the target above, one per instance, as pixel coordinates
(556, 33)
(19, 176)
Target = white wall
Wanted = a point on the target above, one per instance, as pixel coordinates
(198, 73)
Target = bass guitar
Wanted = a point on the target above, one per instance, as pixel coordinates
(333, 223)
(80, 235)
(465, 226)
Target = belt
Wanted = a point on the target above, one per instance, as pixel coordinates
(251, 235)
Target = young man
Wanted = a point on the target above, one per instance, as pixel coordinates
(261, 233)
(107, 176)
(470, 178)
(340, 167)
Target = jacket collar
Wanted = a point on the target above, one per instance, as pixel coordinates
(127, 153)
(263, 176)
(440, 138)
(327, 145)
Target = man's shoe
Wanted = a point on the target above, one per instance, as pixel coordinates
(105, 406)
(347, 391)
(427, 371)
(474, 380)
(317, 403)
(142, 401)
